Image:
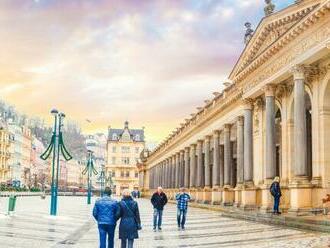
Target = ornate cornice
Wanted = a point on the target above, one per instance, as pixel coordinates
(313, 14)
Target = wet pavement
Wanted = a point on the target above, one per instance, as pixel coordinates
(32, 227)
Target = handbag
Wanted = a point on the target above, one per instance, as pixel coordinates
(138, 224)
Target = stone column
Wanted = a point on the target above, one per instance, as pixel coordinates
(181, 160)
(300, 131)
(165, 174)
(173, 172)
(227, 156)
(192, 176)
(240, 150)
(300, 187)
(270, 162)
(216, 193)
(248, 143)
(162, 174)
(207, 165)
(222, 165)
(186, 167)
(249, 193)
(177, 170)
(216, 160)
(240, 161)
(227, 193)
(199, 163)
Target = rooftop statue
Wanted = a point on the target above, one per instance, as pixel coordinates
(270, 7)
(248, 33)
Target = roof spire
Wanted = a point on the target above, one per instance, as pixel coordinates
(270, 7)
(248, 33)
(126, 124)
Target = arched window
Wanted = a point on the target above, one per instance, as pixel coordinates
(137, 137)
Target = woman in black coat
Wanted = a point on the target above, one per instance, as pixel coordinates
(130, 221)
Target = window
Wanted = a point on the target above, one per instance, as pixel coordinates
(122, 173)
(113, 174)
(113, 160)
(114, 136)
(127, 173)
(125, 149)
(137, 149)
(125, 160)
(136, 174)
(114, 149)
(137, 137)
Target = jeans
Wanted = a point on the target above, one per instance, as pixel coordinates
(181, 217)
(158, 215)
(276, 203)
(105, 230)
(127, 243)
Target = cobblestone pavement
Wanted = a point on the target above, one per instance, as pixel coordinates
(32, 227)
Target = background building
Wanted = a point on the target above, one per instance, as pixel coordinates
(4, 152)
(123, 152)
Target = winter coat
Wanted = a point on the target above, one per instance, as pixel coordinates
(130, 219)
(106, 211)
(159, 200)
(275, 189)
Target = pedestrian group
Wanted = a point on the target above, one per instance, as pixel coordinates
(107, 211)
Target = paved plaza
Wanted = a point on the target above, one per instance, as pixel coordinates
(32, 227)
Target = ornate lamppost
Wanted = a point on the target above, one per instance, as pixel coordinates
(90, 170)
(56, 147)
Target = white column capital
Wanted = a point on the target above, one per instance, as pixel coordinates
(240, 120)
(227, 127)
(247, 103)
(269, 90)
(298, 72)
(207, 138)
(216, 134)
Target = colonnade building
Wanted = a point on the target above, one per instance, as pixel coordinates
(272, 119)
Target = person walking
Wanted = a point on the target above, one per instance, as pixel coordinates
(182, 199)
(130, 221)
(275, 190)
(158, 201)
(106, 212)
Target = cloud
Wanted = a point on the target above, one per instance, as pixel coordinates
(151, 62)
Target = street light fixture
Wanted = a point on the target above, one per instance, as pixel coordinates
(56, 147)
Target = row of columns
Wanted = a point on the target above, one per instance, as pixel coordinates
(191, 167)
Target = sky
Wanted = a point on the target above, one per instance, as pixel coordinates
(151, 62)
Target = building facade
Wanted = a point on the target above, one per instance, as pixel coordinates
(5, 140)
(123, 152)
(272, 119)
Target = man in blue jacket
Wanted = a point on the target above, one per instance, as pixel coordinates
(106, 212)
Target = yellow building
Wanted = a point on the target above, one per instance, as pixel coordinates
(123, 151)
(4, 153)
(271, 119)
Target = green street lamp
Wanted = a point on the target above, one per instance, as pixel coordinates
(56, 147)
(102, 182)
(90, 170)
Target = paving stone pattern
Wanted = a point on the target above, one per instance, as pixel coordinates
(32, 227)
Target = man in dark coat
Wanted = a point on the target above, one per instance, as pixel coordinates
(106, 212)
(275, 191)
(130, 221)
(158, 201)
